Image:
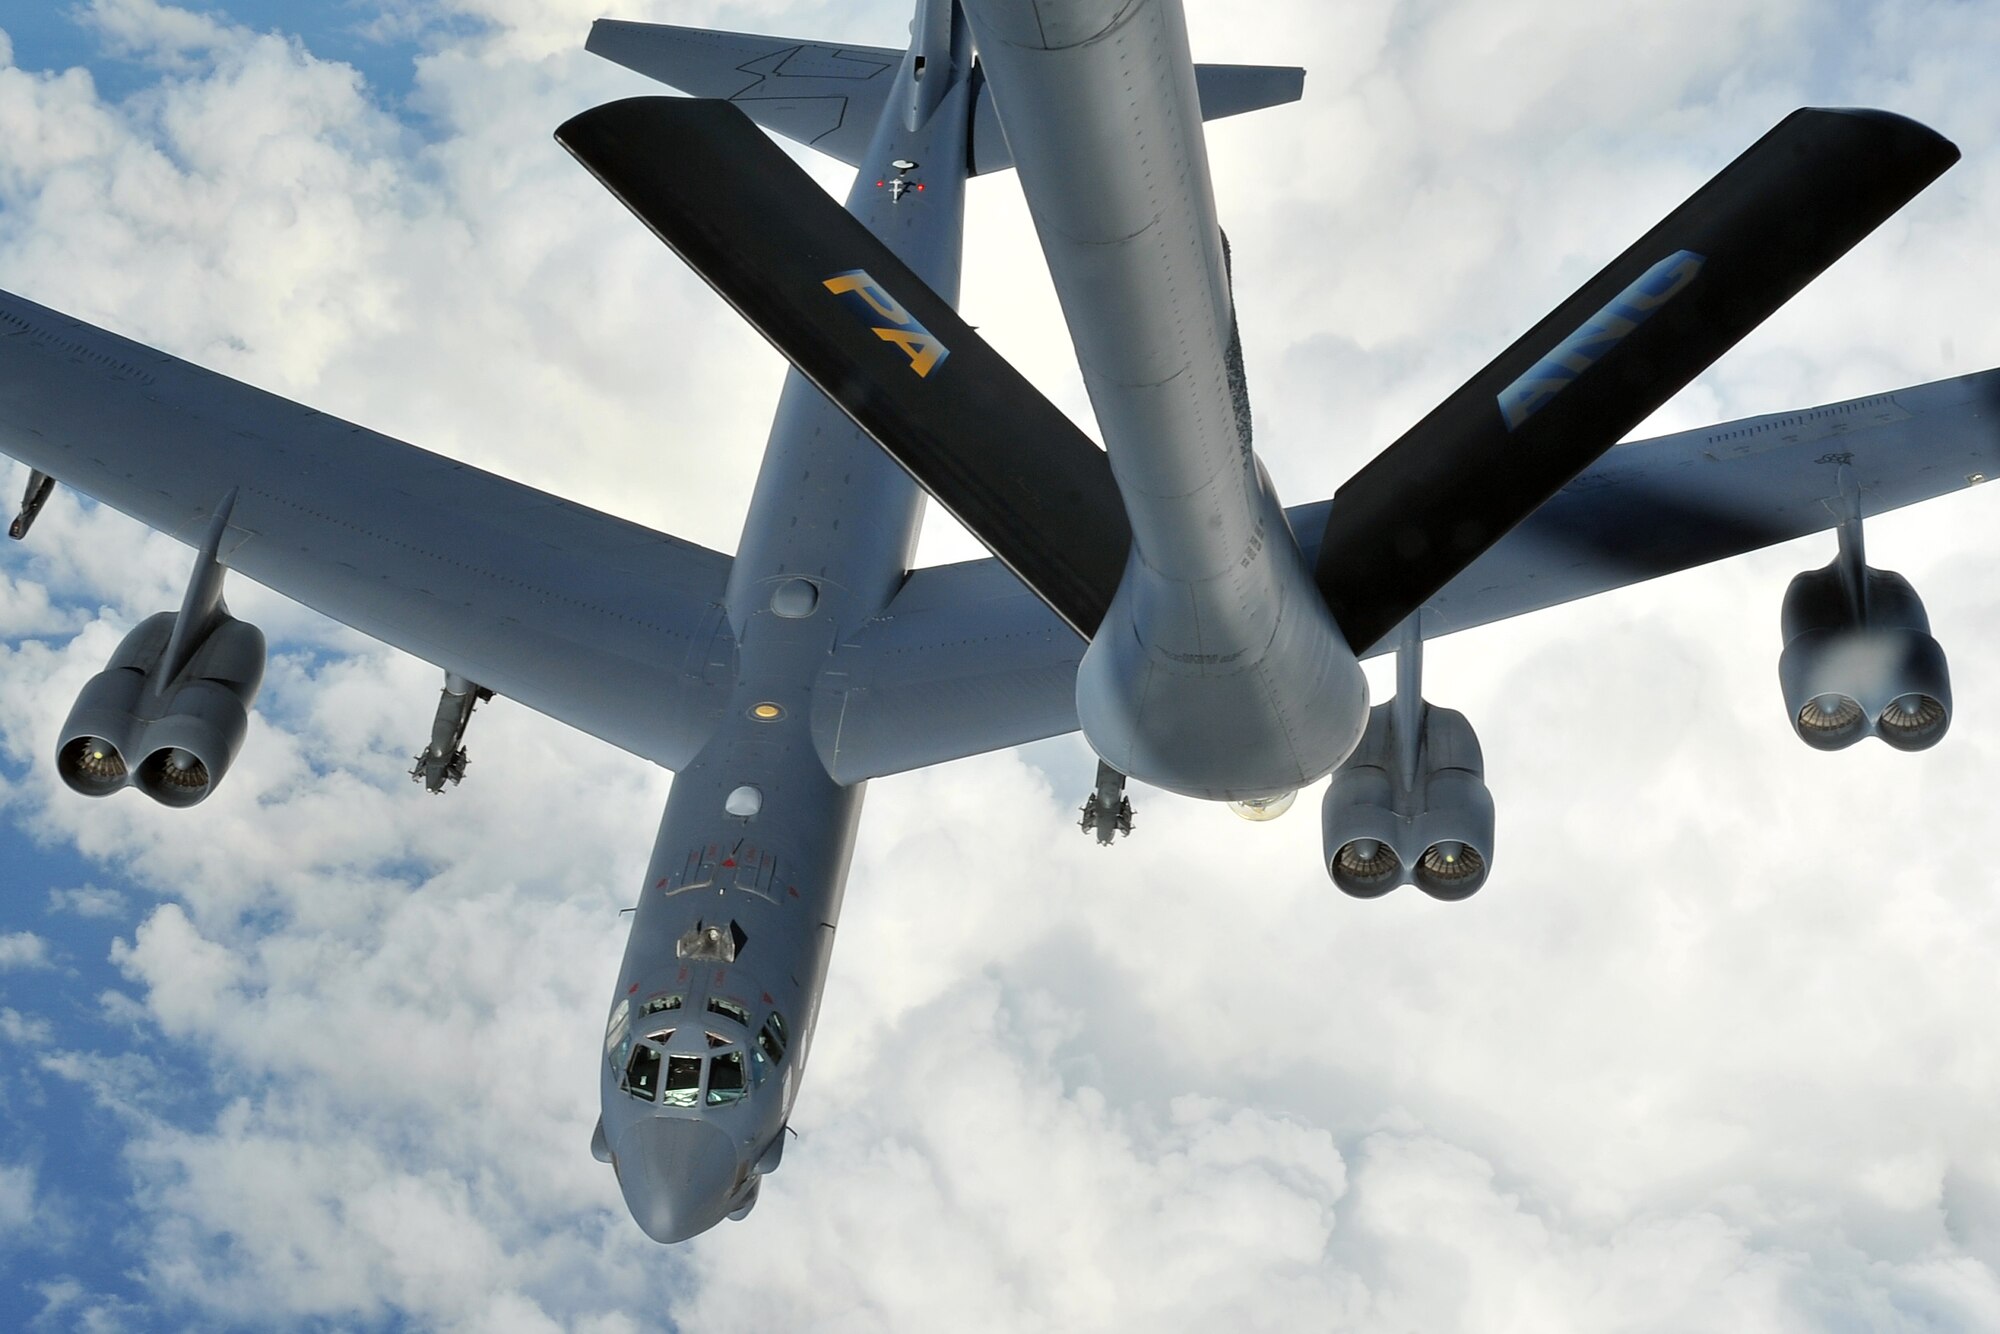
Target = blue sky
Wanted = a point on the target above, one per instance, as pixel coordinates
(51, 37)
(1711, 1051)
(52, 1122)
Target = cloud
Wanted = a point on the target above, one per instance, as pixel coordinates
(1709, 1051)
(25, 1030)
(23, 950)
(998, 1190)
(68, 1305)
(94, 901)
(200, 979)
(17, 1197)
(144, 29)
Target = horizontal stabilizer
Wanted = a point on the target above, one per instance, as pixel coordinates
(1629, 339)
(824, 96)
(829, 96)
(891, 353)
(1224, 90)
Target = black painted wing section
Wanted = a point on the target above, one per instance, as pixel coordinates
(1485, 458)
(1653, 507)
(973, 433)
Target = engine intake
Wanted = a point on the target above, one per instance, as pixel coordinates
(1859, 660)
(1397, 813)
(173, 739)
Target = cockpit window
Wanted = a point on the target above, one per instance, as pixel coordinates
(683, 1081)
(760, 1067)
(614, 1032)
(717, 1040)
(659, 1004)
(725, 1078)
(772, 1037)
(730, 1010)
(663, 1037)
(642, 1073)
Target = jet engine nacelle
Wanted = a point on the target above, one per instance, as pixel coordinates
(175, 740)
(1388, 822)
(1861, 662)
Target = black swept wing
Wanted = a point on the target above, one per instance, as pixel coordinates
(977, 436)
(1601, 362)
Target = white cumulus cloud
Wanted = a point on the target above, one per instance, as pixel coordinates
(87, 901)
(23, 949)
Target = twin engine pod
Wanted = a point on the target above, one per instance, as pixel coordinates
(1410, 810)
(1859, 661)
(172, 739)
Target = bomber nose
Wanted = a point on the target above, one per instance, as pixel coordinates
(676, 1175)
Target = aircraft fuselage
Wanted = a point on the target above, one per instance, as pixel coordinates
(719, 991)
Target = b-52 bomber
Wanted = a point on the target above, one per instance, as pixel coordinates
(1156, 593)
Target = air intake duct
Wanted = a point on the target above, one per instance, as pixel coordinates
(1859, 661)
(172, 740)
(1400, 814)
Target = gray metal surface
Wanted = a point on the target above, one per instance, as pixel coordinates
(964, 660)
(737, 914)
(1218, 671)
(1651, 507)
(606, 625)
(829, 96)
(959, 633)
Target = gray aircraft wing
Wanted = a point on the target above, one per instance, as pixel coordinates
(964, 660)
(603, 624)
(961, 663)
(1652, 507)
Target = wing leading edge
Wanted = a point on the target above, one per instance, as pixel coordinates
(603, 624)
(965, 660)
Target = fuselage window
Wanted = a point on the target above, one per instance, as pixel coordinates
(772, 1038)
(725, 1078)
(660, 1004)
(642, 1073)
(614, 1032)
(683, 1081)
(730, 1010)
